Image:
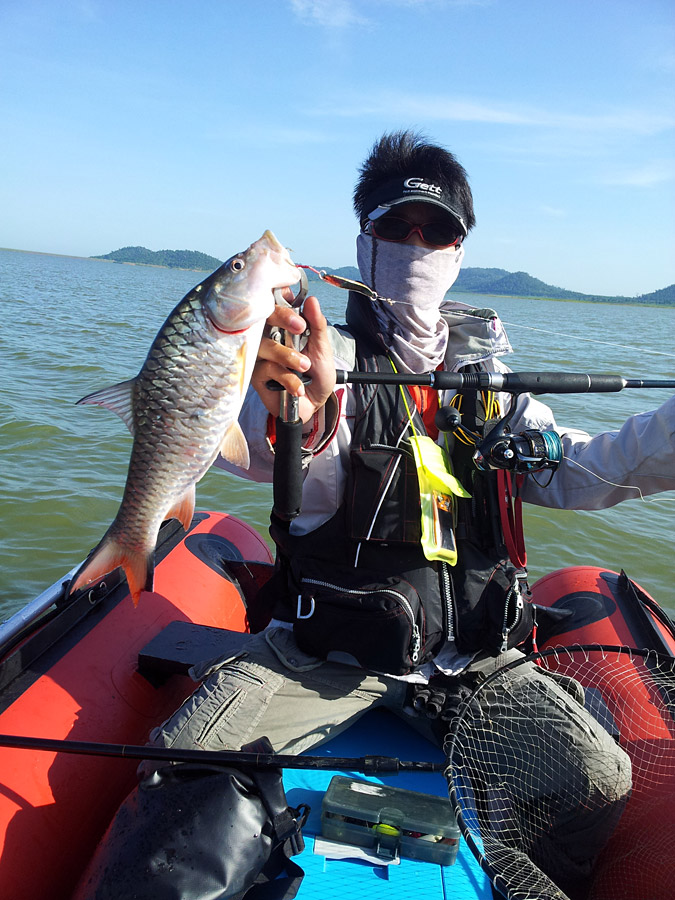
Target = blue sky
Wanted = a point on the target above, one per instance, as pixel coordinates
(196, 125)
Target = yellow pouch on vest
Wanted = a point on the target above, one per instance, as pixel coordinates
(438, 488)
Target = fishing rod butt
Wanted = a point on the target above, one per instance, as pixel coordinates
(288, 474)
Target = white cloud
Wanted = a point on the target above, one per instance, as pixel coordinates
(440, 108)
(555, 212)
(328, 13)
(664, 63)
(432, 3)
(648, 175)
(259, 134)
(342, 14)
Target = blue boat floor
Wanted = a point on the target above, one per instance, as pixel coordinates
(379, 733)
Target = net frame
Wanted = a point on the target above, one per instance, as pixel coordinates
(632, 695)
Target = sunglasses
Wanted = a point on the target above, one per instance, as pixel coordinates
(437, 234)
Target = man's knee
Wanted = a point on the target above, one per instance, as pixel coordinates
(222, 714)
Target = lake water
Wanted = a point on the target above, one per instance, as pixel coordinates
(73, 325)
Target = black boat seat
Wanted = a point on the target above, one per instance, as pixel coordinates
(181, 645)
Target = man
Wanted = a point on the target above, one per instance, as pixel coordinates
(364, 614)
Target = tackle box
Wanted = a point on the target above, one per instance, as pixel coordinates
(392, 821)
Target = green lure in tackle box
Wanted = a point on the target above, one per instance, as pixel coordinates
(392, 821)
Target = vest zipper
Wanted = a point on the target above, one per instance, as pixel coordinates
(416, 640)
(514, 591)
(448, 603)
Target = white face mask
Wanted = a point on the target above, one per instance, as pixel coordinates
(416, 280)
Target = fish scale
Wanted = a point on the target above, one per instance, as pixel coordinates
(183, 406)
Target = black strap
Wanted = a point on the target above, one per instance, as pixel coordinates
(284, 887)
(281, 878)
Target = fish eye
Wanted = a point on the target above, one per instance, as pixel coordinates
(237, 264)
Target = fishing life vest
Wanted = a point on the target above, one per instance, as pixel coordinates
(359, 588)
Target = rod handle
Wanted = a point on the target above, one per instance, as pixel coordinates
(288, 476)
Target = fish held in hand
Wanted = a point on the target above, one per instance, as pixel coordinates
(182, 407)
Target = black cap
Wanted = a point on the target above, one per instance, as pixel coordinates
(408, 190)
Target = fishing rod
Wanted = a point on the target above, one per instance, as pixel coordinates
(364, 764)
(508, 382)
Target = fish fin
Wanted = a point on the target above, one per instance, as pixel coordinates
(184, 508)
(234, 447)
(138, 567)
(118, 399)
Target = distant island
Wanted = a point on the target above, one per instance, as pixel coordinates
(173, 259)
(472, 280)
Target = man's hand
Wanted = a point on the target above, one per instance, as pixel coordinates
(277, 362)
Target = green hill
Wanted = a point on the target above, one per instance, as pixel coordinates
(174, 259)
(476, 280)
(520, 284)
(666, 295)
(344, 271)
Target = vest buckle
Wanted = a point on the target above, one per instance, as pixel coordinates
(299, 614)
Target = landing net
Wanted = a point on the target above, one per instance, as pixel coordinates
(516, 782)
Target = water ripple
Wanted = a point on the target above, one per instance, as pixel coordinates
(74, 325)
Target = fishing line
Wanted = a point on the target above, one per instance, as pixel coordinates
(590, 340)
(627, 487)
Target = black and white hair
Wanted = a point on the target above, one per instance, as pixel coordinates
(405, 154)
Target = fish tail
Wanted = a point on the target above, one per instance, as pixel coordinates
(138, 567)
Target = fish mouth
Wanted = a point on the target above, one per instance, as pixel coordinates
(279, 255)
(272, 241)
